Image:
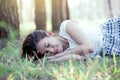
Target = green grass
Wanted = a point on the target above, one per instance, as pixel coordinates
(12, 67)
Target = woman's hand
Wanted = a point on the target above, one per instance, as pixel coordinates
(58, 55)
(65, 58)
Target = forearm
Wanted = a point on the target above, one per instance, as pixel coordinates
(79, 50)
(67, 57)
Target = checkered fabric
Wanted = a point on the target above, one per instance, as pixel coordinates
(111, 36)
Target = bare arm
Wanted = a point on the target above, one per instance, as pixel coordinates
(67, 57)
(84, 45)
(76, 33)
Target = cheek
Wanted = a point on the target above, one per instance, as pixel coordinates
(52, 44)
(51, 54)
(39, 48)
(60, 49)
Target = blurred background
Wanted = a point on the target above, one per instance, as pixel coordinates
(20, 17)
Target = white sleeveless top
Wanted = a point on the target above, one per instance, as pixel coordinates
(92, 33)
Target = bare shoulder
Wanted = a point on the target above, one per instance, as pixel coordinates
(73, 27)
(76, 32)
(73, 22)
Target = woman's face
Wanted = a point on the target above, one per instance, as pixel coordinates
(49, 45)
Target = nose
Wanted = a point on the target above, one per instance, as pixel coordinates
(50, 49)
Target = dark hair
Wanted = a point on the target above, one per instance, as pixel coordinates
(29, 45)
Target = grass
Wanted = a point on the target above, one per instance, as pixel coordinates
(12, 67)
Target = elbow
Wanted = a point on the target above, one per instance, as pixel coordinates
(86, 50)
(90, 50)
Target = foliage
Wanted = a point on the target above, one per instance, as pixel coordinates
(12, 67)
(10, 31)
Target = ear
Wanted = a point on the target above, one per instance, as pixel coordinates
(49, 33)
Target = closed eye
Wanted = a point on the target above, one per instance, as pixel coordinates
(47, 45)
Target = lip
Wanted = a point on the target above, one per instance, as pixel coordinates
(56, 50)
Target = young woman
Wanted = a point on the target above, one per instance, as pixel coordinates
(74, 41)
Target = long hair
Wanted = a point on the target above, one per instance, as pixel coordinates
(29, 45)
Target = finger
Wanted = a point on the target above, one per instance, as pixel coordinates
(57, 55)
(50, 57)
(66, 57)
(57, 59)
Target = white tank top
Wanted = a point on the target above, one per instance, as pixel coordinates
(92, 33)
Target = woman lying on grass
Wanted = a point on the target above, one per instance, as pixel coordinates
(74, 41)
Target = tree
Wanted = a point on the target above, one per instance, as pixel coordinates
(9, 15)
(40, 14)
(110, 8)
(59, 12)
(115, 7)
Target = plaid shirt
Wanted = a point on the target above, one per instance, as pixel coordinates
(111, 36)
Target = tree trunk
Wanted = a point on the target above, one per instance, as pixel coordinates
(9, 15)
(59, 13)
(40, 14)
(107, 8)
(115, 6)
(110, 8)
(64, 10)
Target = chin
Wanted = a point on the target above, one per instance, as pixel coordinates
(52, 54)
(60, 50)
